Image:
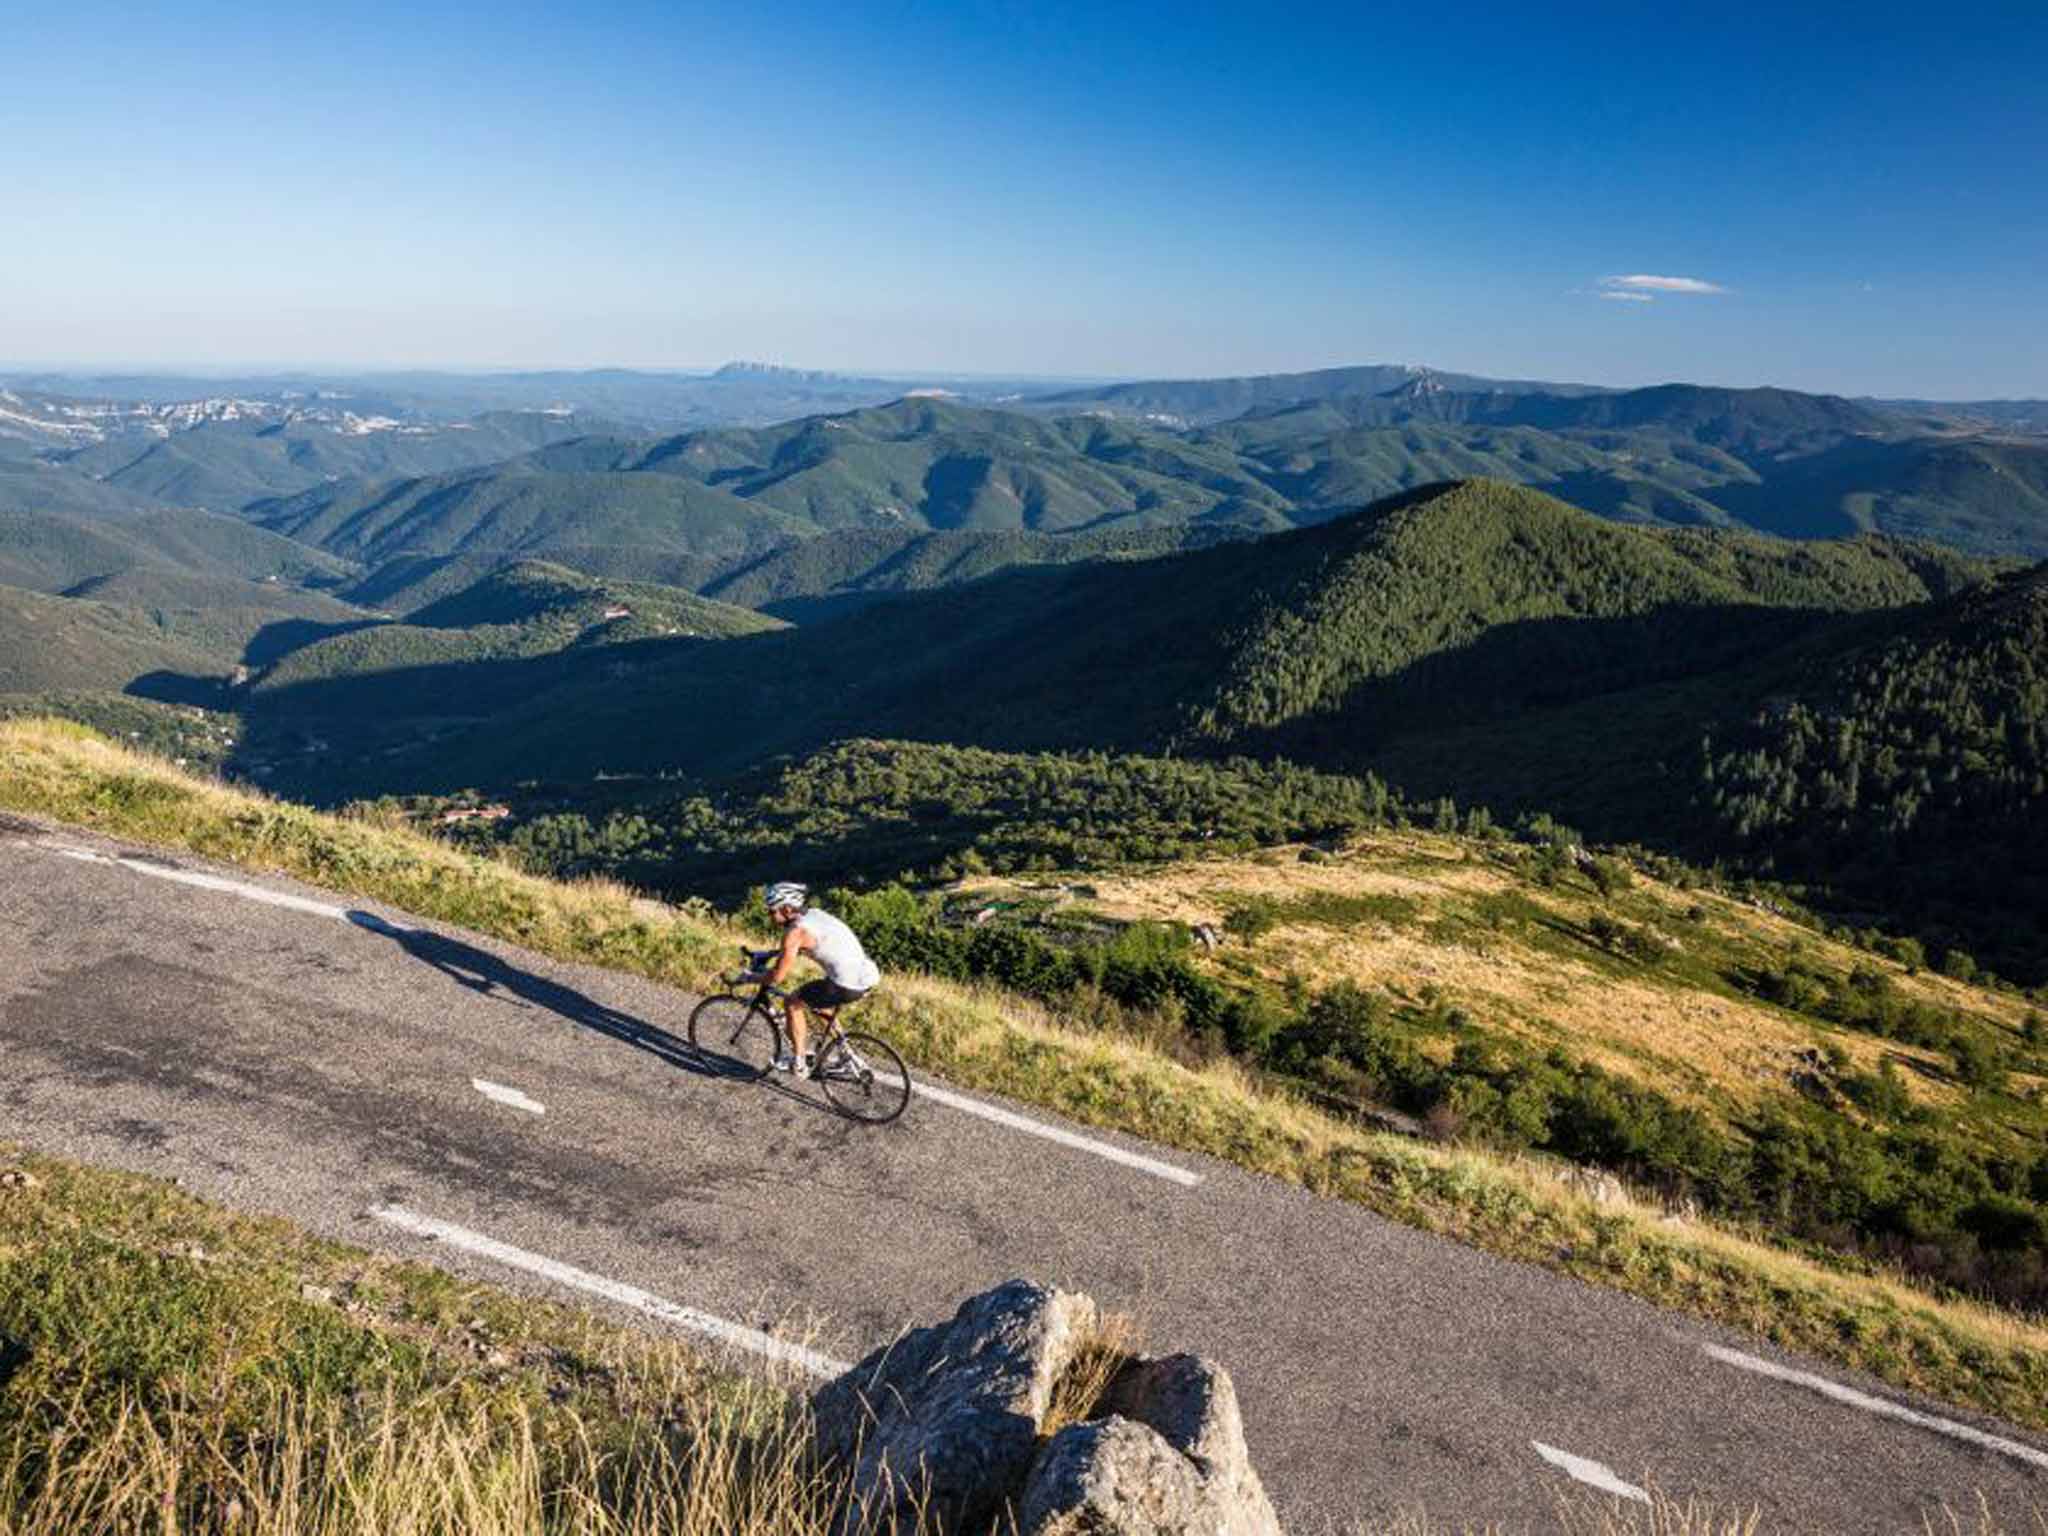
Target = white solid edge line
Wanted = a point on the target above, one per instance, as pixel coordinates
(1877, 1405)
(1032, 1127)
(208, 882)
(512, 1097)
(1589, 1472)
(735, 1334)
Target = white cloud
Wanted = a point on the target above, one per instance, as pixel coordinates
(1621, 297)
(1637, 282)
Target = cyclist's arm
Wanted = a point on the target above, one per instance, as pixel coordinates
(794, 941)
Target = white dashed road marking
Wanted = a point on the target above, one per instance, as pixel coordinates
(1017, 1122)
(1589, 1472)
(735, 1334)
(1877, 1405)
(498, 1093)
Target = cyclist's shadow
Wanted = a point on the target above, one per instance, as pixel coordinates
(481, 971)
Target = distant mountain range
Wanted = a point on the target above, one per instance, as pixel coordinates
(736, 394)
(696, 508)
(1205, 402)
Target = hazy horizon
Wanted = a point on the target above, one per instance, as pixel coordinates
(256, 371)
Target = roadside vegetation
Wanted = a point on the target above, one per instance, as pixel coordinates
(167, 1366)
(1133, 1063)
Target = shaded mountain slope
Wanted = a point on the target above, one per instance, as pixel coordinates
(1912, 771)
(837, 572)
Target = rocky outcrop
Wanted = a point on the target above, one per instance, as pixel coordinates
(950, 1421)
(946, 1419)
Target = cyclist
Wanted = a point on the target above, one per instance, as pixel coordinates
(849, 974)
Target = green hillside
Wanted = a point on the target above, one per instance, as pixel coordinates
(34, 484)
(252, 622)
(54, 552)
(931, 464)
(1511, 599)
(439, 662)
(52, 644)
(535, 592)
(1974, 493)
(835, 572)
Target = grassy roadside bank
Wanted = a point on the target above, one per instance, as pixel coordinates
(168, 1366)
(1951, 1348)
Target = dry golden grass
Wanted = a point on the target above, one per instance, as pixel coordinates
(324, 1466)
(1708, 1047)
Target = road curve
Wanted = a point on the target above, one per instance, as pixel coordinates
(280, 1049)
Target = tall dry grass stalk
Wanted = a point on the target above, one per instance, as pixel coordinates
(435, 1466)
(1080, 1387)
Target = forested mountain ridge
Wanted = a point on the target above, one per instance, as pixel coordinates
(1912, 772)
(1428, 575)
(1321, 625)
(55, 552)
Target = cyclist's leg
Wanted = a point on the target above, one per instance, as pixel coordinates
(799, 1027)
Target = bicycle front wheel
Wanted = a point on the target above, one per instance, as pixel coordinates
(864, 1078)
(735, 1037)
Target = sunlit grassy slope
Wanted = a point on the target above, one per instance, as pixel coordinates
(1651, 981)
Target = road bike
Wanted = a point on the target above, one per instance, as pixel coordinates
(742, 1035)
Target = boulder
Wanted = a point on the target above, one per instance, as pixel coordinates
(1112, 1477)
(946, 1419)
(947, 1427)
(1169, 1459)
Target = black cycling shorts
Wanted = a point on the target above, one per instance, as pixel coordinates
(826, 995)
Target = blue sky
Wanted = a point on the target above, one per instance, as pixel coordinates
(1860, 193)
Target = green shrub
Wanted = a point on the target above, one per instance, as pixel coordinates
(1252, 919)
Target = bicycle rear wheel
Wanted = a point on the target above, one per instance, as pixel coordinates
(734, 1036)
(864, 1078)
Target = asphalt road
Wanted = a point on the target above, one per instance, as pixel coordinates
(288, 1059)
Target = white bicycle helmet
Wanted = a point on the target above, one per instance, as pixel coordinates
(785, 893)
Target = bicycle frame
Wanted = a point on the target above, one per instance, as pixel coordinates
(774, 1001)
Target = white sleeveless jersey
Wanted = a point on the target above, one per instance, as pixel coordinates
(837, 948)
